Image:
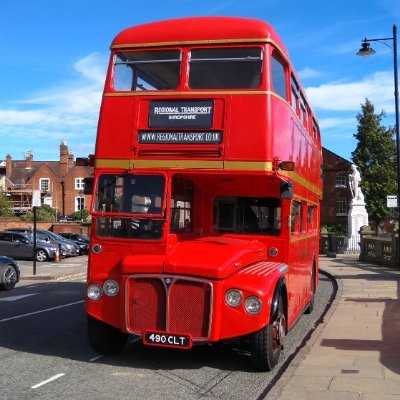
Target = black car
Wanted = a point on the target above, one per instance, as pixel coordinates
(80, 240)
(9, 273)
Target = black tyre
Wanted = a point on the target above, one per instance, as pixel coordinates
(41, 255)
(104, 338)
(8, 277)
(310, 306)
(266, 344)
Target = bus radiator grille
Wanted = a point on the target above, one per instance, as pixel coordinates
(182, 307)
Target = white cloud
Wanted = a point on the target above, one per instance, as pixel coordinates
(336, 122)
(347, 96)
(307, 73)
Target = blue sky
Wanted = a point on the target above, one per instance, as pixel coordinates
(54, 56)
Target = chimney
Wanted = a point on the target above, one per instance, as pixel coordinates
(28, 160)
(8, 165)
(70, 159)
(64, 156)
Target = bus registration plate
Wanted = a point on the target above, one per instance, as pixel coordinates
(153, 338)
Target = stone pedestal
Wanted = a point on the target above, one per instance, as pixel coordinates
(357, 218)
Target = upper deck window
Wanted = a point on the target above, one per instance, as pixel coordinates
(225, 68)
(147, 70)
(278, 76)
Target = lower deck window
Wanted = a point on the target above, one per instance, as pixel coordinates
(247, 215)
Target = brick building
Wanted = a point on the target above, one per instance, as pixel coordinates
(60, 183)
(336, 195)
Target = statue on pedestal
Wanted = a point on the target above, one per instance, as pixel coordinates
(354, 183)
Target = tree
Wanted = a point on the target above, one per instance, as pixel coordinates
(5, 206)
(44, 213)
(375, 156)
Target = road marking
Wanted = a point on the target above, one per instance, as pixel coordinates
(41, 311)
(15, 298)
(53, 378)
(96, 358)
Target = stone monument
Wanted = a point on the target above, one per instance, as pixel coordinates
(358, 215)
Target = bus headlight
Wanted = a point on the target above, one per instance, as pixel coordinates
(111, 288)
(94, 292)
(97, 249)
(233, 297)
(253, 305)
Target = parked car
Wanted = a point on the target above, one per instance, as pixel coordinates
(80, 240)
(68, 248)
(20, 245)
(9, 273)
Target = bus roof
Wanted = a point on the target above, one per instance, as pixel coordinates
(198, 30)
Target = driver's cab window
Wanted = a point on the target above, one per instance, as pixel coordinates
(182, 205)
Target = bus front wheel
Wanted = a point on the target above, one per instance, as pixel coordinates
(266, 344)
(104, 338)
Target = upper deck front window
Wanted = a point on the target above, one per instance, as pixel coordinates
(225, 68)
(147, 70)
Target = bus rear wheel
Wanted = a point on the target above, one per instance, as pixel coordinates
(266, 344)
(104, 338)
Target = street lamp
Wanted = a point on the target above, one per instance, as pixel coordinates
(63, 196)
(367, 50)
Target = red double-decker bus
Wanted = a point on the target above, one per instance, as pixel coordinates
(206, 188)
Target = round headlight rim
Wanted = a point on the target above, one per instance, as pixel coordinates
(106, 292)
(239, 292)
(250, 298)
(100, 291)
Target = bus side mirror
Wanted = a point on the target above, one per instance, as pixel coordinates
(287, 190)
(88, 185)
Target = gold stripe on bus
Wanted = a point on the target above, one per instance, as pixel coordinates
(301, 198)
(299, 179)
(188, 93)
(298, 239)
(248, 165)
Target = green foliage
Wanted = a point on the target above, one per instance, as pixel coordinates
(375, 156)
(76, 216)
(44, 213)
(5, 206)
(336, 229)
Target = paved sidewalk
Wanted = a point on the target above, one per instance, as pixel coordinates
(67, 268)
(355, 353)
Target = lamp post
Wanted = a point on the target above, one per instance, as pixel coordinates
(63, 196)
(367, 50)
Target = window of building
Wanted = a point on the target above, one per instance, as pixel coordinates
(79, 183)
(225, 68)
(341, 206)
(278, 76)
(147, 70)
(44, 185)
(79, 203)
(340, 181)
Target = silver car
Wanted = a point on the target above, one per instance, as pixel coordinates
(20, 245)
(68, 249)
